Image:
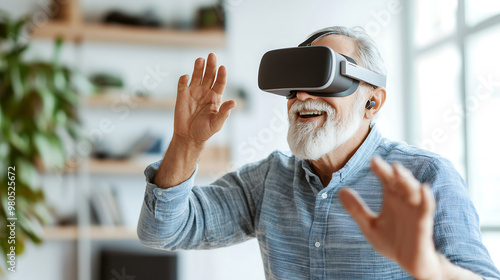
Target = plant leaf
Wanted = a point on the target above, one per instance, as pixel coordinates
(29, 227)
(17, 84)
(51, 150)
(21, 142)
(27, 173)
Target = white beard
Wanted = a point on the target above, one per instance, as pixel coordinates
(311, 143)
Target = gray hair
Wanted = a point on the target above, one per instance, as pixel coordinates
(367, 50)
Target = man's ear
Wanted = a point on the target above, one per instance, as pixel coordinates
(377, 95)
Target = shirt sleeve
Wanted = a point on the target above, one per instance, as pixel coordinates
(456, 224)
(201, 217)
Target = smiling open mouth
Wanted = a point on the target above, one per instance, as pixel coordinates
(310, 114)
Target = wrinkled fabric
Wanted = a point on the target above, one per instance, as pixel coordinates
(302, 229)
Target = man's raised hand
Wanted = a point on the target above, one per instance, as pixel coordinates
(403, 230)
(199, 114)
(199, 111)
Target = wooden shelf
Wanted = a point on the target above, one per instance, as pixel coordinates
(131, 34)
(215, 159)
(113, 99)
(151, 103)
(91, 232)
(69, 24)
(60, 233)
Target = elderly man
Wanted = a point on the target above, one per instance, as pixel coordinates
(313, 212)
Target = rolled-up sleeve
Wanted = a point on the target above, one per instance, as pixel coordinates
(200, 217)
(162, 209)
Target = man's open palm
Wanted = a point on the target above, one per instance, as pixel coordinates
(404, 227)
(199, 111)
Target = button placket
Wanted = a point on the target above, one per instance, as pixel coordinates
(319, 226)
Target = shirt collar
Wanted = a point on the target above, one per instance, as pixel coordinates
(360, 157)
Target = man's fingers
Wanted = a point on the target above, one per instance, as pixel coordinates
(210, 71)
(199, 64)
(183, 83)
(226, 107)
(223, 114)
(407, 187)
(384, 172)
(428, 202)
(398, 180)
(221, 81)
(356, 208)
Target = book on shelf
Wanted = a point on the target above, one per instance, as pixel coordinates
(104, 206)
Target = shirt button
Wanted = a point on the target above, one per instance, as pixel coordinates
(317, 244)
(159, 192)
(324, 195)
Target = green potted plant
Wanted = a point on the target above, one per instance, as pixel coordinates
(38, 110)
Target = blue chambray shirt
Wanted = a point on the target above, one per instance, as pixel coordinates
(302, 229)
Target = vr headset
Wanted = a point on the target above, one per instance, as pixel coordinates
(317, 70)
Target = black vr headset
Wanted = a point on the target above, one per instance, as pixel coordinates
(317, 70)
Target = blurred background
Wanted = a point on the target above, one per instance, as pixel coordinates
(89, 114)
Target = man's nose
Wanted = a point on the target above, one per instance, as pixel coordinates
(302, 95)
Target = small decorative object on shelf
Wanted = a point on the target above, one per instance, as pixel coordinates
(69, 25)
(148, 19)
(210, 17)
(104, 81)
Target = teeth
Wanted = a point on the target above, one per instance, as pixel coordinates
(311, 113)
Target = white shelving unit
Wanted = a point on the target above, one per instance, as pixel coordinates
(71, 27)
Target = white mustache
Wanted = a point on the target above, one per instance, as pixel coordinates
(313, 105)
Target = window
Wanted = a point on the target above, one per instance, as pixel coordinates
(479, 10)
(438, 74)
(483, 103)
(435, 19)
(457, 88)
